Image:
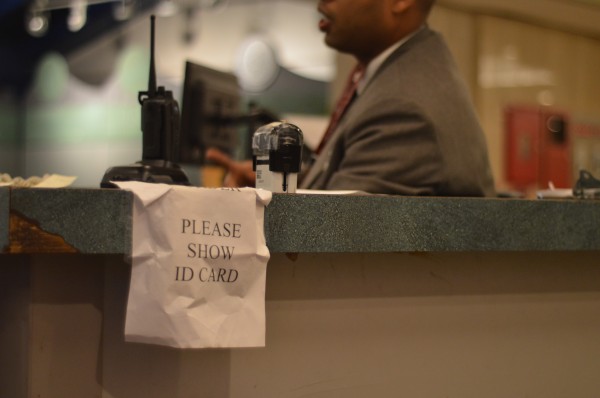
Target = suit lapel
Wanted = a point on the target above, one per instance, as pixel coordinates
(323, 161)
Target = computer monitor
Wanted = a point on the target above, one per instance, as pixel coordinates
(209, 112)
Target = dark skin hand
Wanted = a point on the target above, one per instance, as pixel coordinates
(239, 174)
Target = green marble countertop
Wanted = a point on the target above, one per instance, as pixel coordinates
(99, 221)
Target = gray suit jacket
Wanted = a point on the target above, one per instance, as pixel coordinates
(412, 131)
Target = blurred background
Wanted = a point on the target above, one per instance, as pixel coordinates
(70, 72)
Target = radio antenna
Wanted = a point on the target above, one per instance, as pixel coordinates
(152, 77)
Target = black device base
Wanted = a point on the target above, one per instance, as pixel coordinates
(157, 171)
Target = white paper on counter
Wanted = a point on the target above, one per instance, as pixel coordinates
(47, 181)
(199, 260)
(56, 181)
(327, 192)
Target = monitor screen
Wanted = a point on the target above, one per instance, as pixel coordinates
(210, 106)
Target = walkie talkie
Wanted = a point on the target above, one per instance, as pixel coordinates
(160, 116)
(160, 136)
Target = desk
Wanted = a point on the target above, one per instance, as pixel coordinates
(366, 296)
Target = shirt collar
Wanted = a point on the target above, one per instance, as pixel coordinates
(376, 62)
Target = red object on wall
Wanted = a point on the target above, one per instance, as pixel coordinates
(537, 148)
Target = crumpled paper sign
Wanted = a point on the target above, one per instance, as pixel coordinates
(199, 260)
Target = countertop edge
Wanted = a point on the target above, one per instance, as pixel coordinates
(98, 221)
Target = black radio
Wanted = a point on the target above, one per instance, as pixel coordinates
(160, 136)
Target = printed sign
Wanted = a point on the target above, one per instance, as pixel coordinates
(199, 262)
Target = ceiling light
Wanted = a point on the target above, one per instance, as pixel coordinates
(123, 10)
(78, 15)
(167, 8)
(37, 19)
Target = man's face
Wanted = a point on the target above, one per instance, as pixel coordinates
(354, 26)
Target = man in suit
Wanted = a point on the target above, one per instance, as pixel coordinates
(411, 128)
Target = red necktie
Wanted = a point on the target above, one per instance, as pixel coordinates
(342, 104)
